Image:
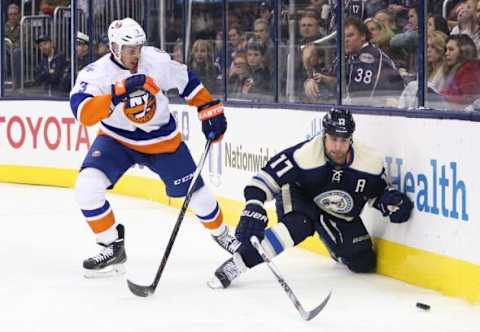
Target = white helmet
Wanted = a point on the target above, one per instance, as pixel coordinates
(125, 32)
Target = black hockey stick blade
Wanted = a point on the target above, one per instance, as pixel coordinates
(142, 291)
(145, 291)
(306, 315)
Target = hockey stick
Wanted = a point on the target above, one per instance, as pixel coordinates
(306, 315)
(145, 291)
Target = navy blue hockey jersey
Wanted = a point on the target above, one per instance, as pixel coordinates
(340, 192)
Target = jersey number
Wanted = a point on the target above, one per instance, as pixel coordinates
(364, 76)
(284, 165)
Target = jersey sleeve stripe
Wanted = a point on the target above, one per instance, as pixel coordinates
(94, 110)
(192, 87)
(201, 98)
(76, 101)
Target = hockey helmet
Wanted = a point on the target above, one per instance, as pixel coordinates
(338, 122)
(124, 32)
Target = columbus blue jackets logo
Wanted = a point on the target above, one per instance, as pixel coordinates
(337, 201)
(140, 107)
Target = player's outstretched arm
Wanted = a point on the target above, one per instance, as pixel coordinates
(214, 123)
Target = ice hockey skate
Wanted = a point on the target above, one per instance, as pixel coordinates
(227, 272)
(227, 241)
(109, 261)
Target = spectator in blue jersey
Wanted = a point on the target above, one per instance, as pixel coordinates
(50, 69)
(320, 186)
(371, 76)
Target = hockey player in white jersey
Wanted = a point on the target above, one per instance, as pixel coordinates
(122, 91)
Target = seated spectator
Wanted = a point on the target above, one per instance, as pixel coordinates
(238, 75)
(81, 50)
(260, 28)
(202, 63)
(12, 33)
(313, 67)
(437, 23)
(309, 26)
(177, 52)
(388, 19)
(369, 71)
(237, 42)
(435, 68)
(102, 47)
(408, 42)
(467, 21)
(259, 84)
(47, 7)
(462, 69)
(380, 36)
(51, 67)
(436, 44)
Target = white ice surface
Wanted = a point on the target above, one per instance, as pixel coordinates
(44, 239)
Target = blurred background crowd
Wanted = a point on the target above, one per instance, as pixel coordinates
(264, 51)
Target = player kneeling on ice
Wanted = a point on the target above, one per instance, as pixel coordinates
(321, 186)
(123, 92)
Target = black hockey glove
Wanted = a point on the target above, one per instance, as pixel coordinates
(253, 221)
(122, 89)
(395, 204)
(214, 123)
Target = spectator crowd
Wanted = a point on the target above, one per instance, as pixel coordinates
(380, 68)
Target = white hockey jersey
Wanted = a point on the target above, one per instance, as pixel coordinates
(143, 124)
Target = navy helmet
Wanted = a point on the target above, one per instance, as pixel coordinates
(338, 122)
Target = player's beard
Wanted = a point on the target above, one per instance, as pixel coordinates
(338, 157)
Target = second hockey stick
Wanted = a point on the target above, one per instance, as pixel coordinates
(145, 291)
(306, 315)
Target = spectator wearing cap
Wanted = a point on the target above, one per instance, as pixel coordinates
(81, 48)
(102, 47)
(51, 67)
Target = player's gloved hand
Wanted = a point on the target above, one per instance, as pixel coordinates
(395, 204)
(253, 221)
(214, 123)
(121, 89)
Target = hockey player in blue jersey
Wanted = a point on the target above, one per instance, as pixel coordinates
(123, 92)
(319, 186)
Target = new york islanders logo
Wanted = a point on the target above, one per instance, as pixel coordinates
(140, 107)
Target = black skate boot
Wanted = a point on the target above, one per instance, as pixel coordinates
(227, 272)
(227, 241)
(109, 261)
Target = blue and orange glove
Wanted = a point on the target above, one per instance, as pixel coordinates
(121, 89)
(214, 123)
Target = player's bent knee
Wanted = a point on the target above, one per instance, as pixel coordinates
(363, 262)
(90, 188)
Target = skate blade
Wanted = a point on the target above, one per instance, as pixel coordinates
(109, 271)
(214, 283)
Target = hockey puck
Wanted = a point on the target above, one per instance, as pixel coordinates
(422, 306)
